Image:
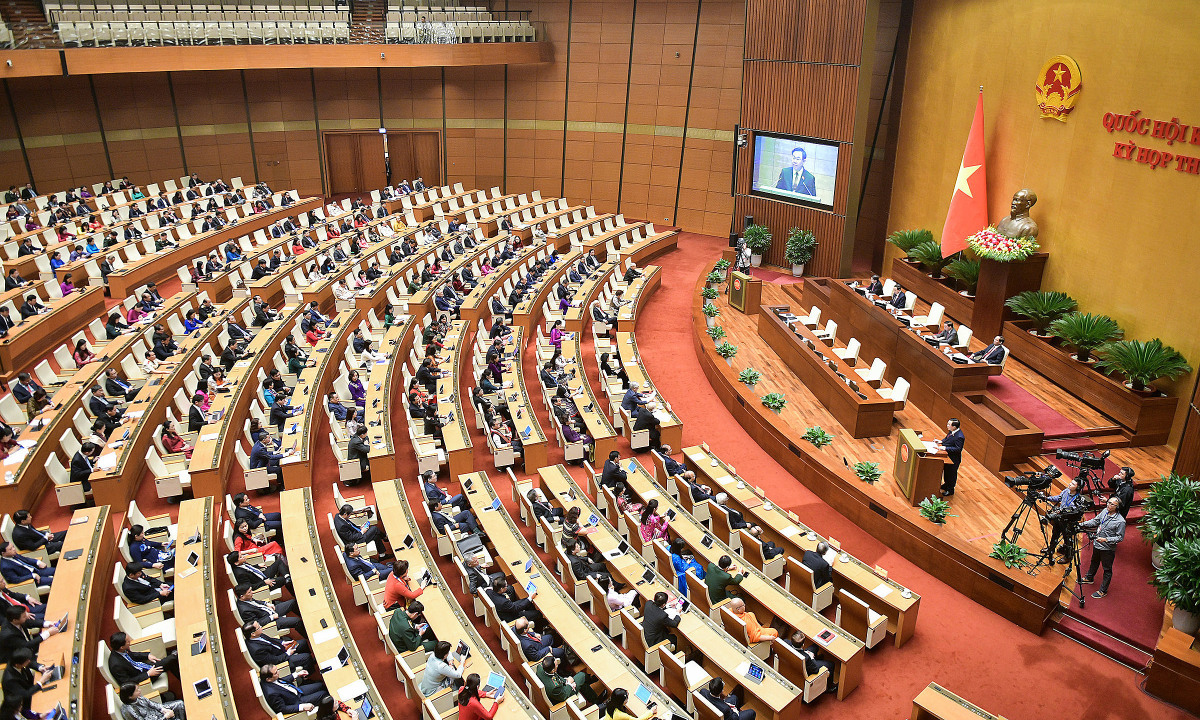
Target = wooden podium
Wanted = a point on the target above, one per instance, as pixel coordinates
(745, 292)
(918, 473)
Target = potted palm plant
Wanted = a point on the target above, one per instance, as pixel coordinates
(1177, 580)
(1041, 307)
(966, 272)
(1085, 332)
(929, 255)
(801, 246)
(1142, 362)
(906, 240)
(758, 239)
(1172, 512)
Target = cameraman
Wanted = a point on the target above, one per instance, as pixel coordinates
(1122, 486)
(1110, 530)
(1064, 501)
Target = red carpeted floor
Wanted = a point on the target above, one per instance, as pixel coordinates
(772, 276)
(959, 644)
(1051, 422)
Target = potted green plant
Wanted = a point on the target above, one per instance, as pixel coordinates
(868, 472)
(817, 436)
(935, 510)
(710, 313)
(708, 293)
(1172, 512)
(1011, 554)
(966, 272)
(727, 350)
(929, 255)
(774, 401)
(750, 377)
(1177, 580)
(906, 240)
(714, 279)
(801, 246)
(1085, 332)
(758, 239)
(717, 333)
(721, 265)
(1041, 307)
(1142, 362)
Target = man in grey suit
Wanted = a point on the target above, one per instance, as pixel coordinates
(137, 707)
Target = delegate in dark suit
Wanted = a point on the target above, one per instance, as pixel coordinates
(656, 624)
(267, 650)
(285, 696)
(953, 445)
(822, 573)
(801, 181)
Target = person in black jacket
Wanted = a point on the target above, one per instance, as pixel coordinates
(812, 662)
(656, 623)
(140, 588)
(27, 537)
(119, 387)
(542, 508)
(265, 612)
(24, 388)
(477, 577)
(266, 650)
(952, 445)
(613, 472)
(12, 598)
(82, 464)
(232, 353)
(647, 421)
(196, 418)
(508, 607)
(272, 576)
(127, 666)
(352, 534)
(243, 510)
(100, 402)
(727, 705)
(815, 561)
(21, 631)
(287, 694)
(359, 448)
(1121, 484)
(19, 684)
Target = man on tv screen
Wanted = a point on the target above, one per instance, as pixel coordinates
(795, 178)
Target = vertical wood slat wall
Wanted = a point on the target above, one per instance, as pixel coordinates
(801, 76)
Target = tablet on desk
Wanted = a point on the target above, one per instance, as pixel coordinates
(755, 673)
(72, 554)
(528, 564)
(643, 694)
(199, 642)
(495, 681)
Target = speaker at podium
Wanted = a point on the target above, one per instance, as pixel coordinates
(917, 472)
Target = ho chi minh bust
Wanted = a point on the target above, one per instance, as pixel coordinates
(1018, 223)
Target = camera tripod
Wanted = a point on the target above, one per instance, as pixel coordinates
(1070, 540)
(1017, 525)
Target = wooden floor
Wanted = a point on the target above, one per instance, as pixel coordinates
(982, 504)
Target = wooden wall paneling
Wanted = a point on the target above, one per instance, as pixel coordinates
(774, 24)
(139, 124)
(830, 31)
(212, 116)
(427, 149)
(13, 168)
(800, 99)
(536, 113)
(61, 131)
(285, 136)
(341, 161)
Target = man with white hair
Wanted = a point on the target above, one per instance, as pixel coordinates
(647, 420)
(1110, 530)
(632, 401)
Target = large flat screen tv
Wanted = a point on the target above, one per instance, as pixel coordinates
(794, 169)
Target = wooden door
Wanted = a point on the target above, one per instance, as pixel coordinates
(354, 162)
(416, 154)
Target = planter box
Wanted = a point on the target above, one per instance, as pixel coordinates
(1148, 419)
(998, 282)
(914, 278)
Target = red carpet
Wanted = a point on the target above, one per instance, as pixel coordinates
(964, 647)
(775, 277)
(1051, 422)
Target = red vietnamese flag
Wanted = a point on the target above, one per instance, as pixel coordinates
(968, 204)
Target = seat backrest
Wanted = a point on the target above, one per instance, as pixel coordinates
(853, 347)
(964, 335)
(900, 390)
(935, 313)
(877, 368)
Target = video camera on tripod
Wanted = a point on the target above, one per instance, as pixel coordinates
(1086, 460)
(1033, 482)
(1091, 471)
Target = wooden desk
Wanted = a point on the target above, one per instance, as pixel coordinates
(35, 338)
(650, 246)
(516, 396)
(580, 312)
(118, 471)
(627, 349)
(79, 591)
(937, 703)
(309, 392)
(421, 204)
(321, 291)
(528, 313)
(763, 596)
(775, 697)
(1174, 675)
(603, 658)
(637, 294)
(421, 301)
(325, 641)
(382, 384)
(456, 436)
(442, 610)
(868, 415)
(598, 426)
(786, 531)
(196, 612)
(212, 457)
(475, 304)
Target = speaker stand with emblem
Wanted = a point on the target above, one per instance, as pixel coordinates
(745, 292)
(918, 473)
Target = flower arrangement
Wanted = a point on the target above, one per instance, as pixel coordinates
(990, 244)
(749, 376)
(817, 436)
(721, 265)
(774, 401)
(868, 472)
(715, 278)
(727, 350)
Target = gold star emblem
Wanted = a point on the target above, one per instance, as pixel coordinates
(1058, 73)
(964, 175)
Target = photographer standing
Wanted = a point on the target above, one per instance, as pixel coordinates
(1065, 502)
(1110, 530)
(1122, 486)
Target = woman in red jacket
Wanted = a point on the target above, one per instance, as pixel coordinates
(243, 541)
(469, 705)
(172, 442)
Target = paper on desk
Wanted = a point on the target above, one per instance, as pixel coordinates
(16, 457)
(353, 690)
(649, 494)
(790, 530)
(324, 636)
(741, 669)
(188, 571)
(107, 462)
(930, 447)
(209, 436)
(135, 414)
(882, 590)
(27, 443)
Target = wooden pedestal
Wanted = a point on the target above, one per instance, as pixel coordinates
(998, 282)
